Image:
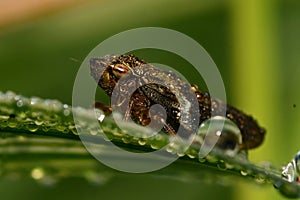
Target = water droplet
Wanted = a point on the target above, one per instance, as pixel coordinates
(60, 128)
(22, 115)
(67, 112)
(142, 141)
(260, 179)
(93, 132)
(73, 129)
(180, 154)
(126, 140)
(174, 147)
(45, 128)
(31, 126)
(192, 153)
(243, 173)
(95, 178)
(21, 138)
(20, 103)
(229, 166)
(54, 105)
(219, 132)
(35, 100)
(221, 165)
(10, 95)
(212, 159)
(291, 171)
(38, 122)
(4, 117)
(12, 123)
(37, 173)
(17, 97)
(48, 180)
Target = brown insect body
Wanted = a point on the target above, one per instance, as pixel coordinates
(151, 86)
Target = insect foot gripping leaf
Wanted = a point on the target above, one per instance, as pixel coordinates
(140, 86)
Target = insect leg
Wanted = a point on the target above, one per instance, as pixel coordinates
(128, 111)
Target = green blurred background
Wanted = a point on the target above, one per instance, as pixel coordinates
(254, 43)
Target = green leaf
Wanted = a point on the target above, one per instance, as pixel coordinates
(38, 138)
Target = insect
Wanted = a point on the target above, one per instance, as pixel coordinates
(152, 86)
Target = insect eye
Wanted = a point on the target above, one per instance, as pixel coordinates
(119, 70)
